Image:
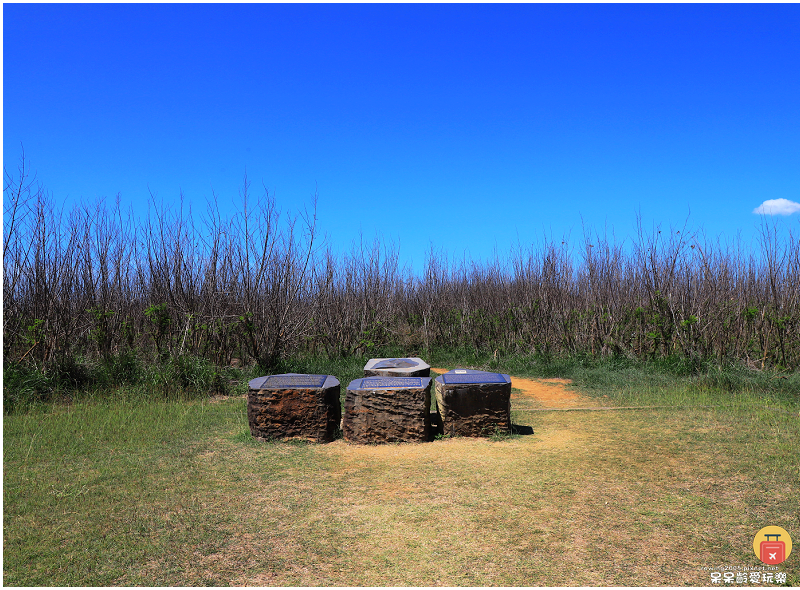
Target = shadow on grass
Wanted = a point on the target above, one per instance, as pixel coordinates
(523, 430)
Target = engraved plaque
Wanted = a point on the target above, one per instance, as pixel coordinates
(451, 378)
(395, 364)
(390, 382)
(289, 381)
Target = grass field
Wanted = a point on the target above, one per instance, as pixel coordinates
(115, 491)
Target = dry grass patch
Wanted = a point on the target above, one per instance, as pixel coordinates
(586, 500)
(589, 499)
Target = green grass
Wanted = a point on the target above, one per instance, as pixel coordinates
(128, 373)
(125, 490)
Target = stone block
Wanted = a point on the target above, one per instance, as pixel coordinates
(474, 403)
(294, 406)
(388, 409)
(399, 367)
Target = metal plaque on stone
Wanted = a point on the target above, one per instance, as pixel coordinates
(290, 381)
(477, 377)
(395, 364)
(390, 382)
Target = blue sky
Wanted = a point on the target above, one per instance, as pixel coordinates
(460, 127)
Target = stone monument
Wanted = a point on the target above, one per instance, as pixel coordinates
(294, 405)
(401, 367)
(387, 409)
(474, 403)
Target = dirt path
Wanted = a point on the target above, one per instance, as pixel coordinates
(547, 393)
(534, 394)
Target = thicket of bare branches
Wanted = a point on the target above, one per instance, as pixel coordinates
(93, 282)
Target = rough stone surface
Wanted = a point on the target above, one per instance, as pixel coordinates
(294, 406)
(474, 403)
(397, 367)
(387, 409)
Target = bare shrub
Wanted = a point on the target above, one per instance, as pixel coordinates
(262, 285)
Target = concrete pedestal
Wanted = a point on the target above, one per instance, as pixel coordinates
(397, 367)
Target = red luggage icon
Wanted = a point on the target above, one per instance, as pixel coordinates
(773, 552)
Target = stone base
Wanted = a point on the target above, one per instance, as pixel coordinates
(474, 403)
(397, 367)
(294, 406)
(382, 410)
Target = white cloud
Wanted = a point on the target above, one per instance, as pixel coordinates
(777, 207)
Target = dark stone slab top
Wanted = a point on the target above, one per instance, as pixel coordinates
(467, 376)
(396, 364)
(388, 383)
(291, 380)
